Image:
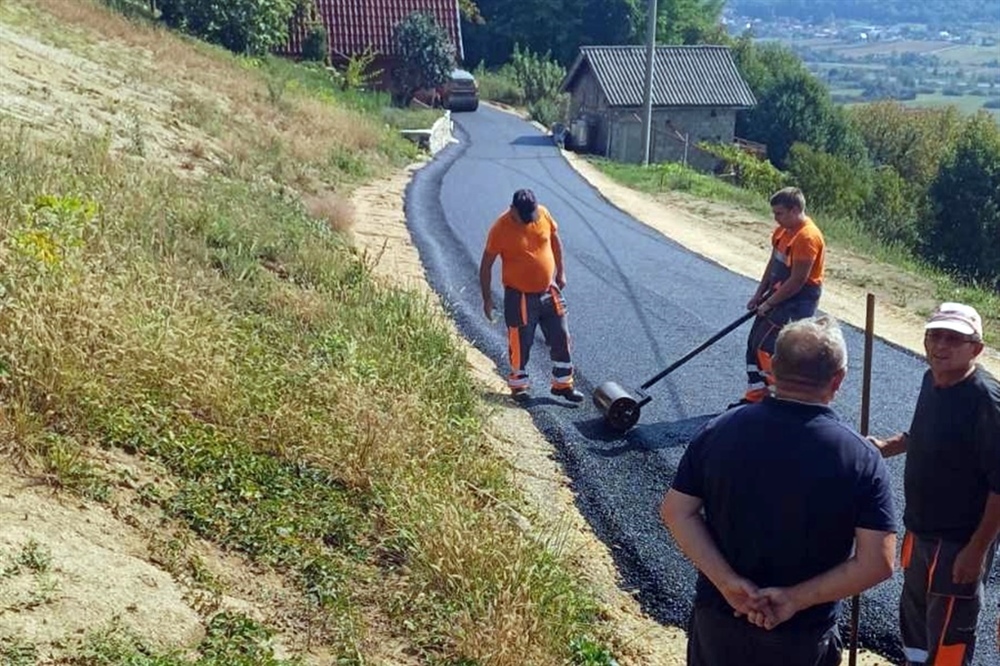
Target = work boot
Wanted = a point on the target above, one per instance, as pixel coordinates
(569, 393)
(738, 403)
(520, 393)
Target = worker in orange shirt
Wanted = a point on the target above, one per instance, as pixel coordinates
(526, 239)
(788, 291)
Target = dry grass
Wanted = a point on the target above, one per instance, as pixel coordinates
(330, 207)
(262, 121)
(312, 420)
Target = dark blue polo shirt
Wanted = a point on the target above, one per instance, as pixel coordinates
(784, 486)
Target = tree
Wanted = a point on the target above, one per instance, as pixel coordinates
(834, 185)
(793, 106)
(316, 43)
(688, 21)
(558, 27)
(243, 26)
(911, 141)
(965, 229)
(469, 11)
(892, 210)
(426, 55)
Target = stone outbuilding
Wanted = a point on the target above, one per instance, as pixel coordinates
(697, 91)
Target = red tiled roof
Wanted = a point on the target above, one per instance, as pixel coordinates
(354, 25)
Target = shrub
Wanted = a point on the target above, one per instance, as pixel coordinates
(550, 110)
(357, 73)
(243, 26)
(539, 76)
(426, 53)
(891, 210)
(750, 172)
(831, 183)
(500, 86)
(316, 44)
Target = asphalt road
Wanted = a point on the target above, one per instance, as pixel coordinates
(637, 301)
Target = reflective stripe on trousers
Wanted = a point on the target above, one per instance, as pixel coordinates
(523, 313)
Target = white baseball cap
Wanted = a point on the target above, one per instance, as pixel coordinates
(957, 317)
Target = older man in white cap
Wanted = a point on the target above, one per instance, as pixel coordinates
(952, 490)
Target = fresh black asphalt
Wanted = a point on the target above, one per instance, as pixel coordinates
(637, 301)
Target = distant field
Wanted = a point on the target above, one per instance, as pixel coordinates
(966, 54)
(870, 66)
(966, 104)
(972, 61)
(846, 92)
(961, 54)
(902, 46)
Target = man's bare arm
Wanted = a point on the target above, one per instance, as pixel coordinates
(791, 286)
(762, 286)
(893, 446)
(968, 567)
(485, 282)
(557, 253)
(871, 563)
(682, 515)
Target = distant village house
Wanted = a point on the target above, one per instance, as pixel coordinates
(697, 91)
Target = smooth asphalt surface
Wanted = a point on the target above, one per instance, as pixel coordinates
(637, 301)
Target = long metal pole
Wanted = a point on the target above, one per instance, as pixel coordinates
(866, 393)
(647, 115)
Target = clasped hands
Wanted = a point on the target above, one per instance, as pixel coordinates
(765, 607)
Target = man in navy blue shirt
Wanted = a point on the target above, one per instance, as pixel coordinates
(784, 510)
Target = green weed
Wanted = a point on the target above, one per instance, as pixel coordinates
(311, 419)
(17, 652)
(34, 557)
(230, 639)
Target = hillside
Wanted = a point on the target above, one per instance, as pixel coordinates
(937, 13)
(227, 436)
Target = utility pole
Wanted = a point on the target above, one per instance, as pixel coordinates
(647, 115)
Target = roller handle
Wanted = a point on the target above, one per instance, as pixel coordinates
(694, 352)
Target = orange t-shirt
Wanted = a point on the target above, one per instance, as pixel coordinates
(525, 250)
(801, 244)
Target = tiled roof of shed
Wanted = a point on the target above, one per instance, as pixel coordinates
(354, 25)
(682, 75)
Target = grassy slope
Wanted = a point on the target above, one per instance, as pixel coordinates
(214, 319)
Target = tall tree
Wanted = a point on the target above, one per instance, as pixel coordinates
(792, 105)
(688, 21)
(965, 231)
(912, 141)
(243, 26)
(558, 27)
(426, 55)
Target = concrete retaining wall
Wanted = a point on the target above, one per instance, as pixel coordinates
(441, 133)
(435, 138)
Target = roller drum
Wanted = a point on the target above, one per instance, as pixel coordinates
(619, 408)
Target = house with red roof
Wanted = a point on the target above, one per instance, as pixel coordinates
(354, 27)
